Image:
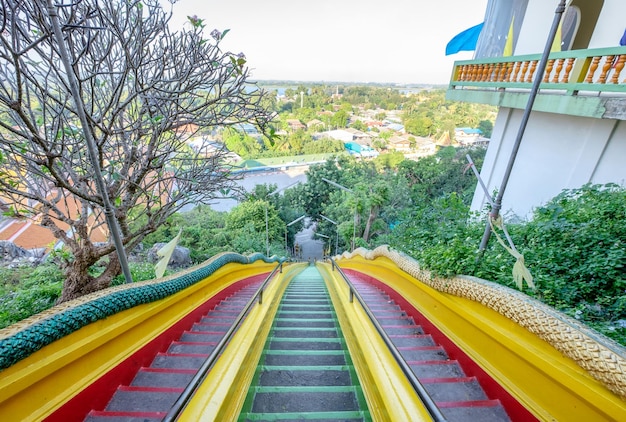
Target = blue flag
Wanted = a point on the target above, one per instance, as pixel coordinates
(465, 41)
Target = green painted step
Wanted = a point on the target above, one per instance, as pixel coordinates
(305, 372)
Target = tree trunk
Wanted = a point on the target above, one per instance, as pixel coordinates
(78, 282)
(368, 225)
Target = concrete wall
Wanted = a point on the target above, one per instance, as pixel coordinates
(607, 28)
(557, 152)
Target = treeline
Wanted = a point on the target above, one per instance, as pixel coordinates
(423, 113)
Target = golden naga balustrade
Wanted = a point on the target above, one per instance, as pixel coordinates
(597, 70)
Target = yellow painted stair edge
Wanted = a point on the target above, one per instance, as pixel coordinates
(221, 395)
(388, 392)
(544, 380)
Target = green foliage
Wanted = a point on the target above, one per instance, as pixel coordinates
(240, 143)
(323, 146)
(574, 247)
(27, 291)
(486, 126)
(374, 97)
(339, 119)
(430, 114)
(445, 172)
(389, 161)
(359, 125)
(578, 241)
(203, 232)
(140, 271)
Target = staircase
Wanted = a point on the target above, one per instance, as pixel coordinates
(459, 397)
(305, 371)
(154, 389)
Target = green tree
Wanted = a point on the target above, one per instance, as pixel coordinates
(339, 119)
(248, 220)
(240, 143)
(486, 126)
(359, 125)
(443, 173)
(419, 125)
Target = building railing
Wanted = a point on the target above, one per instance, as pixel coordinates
(593, 70)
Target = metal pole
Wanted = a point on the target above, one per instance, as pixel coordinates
(541, 67)
(336, 231)
(91, 144)
(354, 224)
(267, 234)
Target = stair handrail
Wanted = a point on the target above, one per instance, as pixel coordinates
(419, 388)
(184, 398)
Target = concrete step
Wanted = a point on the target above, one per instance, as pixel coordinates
(143, 399)
(305, 373)
(304, 399)
(154, 389)
(155, 377)
(460, 398)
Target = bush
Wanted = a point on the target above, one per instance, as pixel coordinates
(28, 292)
(575, 248)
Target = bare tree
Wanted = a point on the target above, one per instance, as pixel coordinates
(142, 88)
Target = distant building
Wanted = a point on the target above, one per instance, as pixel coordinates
(396, 127)
(295, 124)
(340, 135)
(315, 123)
(399, 143)
(468, 135)
(359, 150)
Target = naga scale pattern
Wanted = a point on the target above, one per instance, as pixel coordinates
(20, 340)
(601, 357)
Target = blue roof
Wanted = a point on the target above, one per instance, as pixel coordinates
(469, 130)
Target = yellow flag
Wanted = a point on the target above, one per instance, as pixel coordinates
(556, 44)
(508, 47)
(166, 253)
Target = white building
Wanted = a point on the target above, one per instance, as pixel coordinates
(576, 132)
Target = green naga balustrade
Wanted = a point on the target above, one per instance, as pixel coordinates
(59, 324)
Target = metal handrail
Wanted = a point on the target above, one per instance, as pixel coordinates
(184, 398)
(426, 399)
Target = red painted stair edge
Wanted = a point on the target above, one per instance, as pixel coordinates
(114, 414)
(97, 395)
(493, 390)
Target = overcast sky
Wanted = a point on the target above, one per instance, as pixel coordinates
(400, 41)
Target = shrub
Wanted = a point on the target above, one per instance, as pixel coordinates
(36, 290)
(575, 248)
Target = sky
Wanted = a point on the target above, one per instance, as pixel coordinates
(384, 41)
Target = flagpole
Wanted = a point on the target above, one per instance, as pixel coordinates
(541, 67)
